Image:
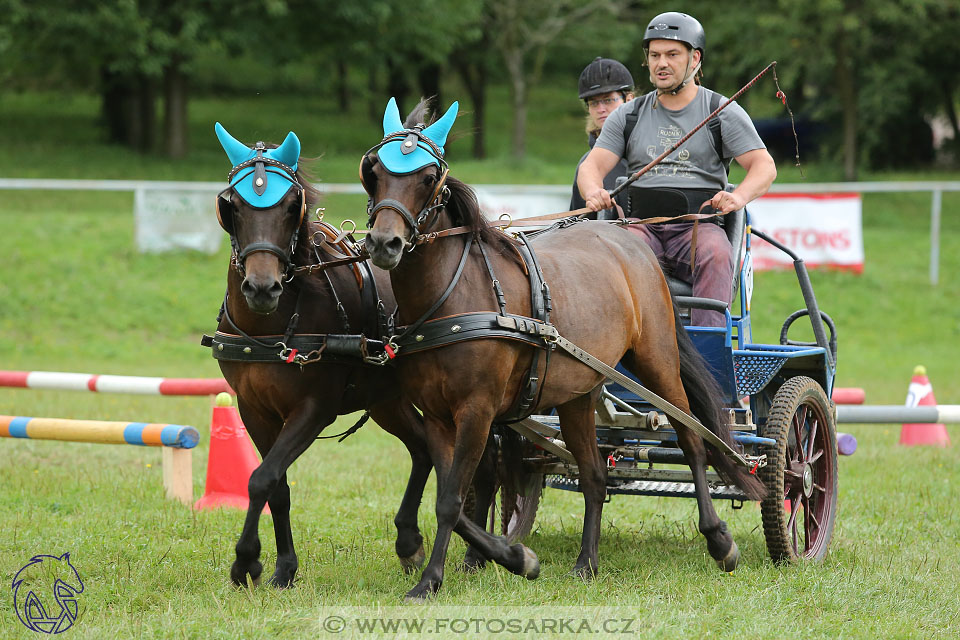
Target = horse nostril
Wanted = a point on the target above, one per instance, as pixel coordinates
(276, 288)
(395, 245)
(247, 288)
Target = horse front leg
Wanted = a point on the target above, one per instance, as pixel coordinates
(720, 543)
(456, 450)
(401, 420)
(268, 482)
(484, 492)
(579, 433)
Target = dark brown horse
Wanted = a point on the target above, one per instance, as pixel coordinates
(285, 406)
(609, 298)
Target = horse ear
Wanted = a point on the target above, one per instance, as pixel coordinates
(438, 130)
(391, 118)
(289, 152)
(236, 150)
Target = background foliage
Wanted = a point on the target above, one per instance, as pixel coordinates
(865, 76)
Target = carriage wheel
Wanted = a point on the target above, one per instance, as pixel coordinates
(518, 509)
(801, 472)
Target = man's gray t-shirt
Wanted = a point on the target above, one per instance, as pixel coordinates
(695, 165)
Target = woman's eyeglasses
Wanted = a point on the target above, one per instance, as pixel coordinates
(607, 102)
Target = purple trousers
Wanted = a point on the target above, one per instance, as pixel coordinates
(712, 274)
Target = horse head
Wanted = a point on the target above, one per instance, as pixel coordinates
(403, 174)
(262, 210)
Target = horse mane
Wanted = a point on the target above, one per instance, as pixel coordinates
(423, 113)
(464, 209)
(463, 205)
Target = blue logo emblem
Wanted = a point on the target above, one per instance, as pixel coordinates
(46, 593)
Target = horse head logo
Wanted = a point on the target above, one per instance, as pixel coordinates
(45, 594)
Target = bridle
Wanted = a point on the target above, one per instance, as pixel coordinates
(412, 139)
(261, 166)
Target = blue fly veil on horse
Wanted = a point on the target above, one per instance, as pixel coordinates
(406, 150)
(261, 176)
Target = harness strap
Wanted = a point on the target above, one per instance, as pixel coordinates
(443, 298)
(497, 289)
(672, 411)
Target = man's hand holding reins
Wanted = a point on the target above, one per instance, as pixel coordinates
(727, 201)
(599, 200)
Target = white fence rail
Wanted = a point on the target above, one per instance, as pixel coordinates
(140, 187)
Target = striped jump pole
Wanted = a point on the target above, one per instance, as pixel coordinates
(175, 441)
(114, 384)
(889, 414)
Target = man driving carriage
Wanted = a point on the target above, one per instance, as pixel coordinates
(694, 176)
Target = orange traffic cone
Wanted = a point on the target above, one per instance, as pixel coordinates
(231, 459)
(920, 394)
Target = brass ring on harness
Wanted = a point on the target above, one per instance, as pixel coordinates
(352, 224)
(504, 217)
(319, 213)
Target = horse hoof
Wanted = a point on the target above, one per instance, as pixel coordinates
(531, 564)
(421, 593)
(585, 573)
(472, 564)
(729, 562)
(414, 562)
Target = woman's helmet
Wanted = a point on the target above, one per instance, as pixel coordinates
(604, 75)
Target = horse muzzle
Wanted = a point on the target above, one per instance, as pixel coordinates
(385, 248)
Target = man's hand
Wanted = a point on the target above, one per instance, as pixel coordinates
(727, 201)
(599, 199)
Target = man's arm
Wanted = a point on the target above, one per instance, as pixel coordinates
(594, 169)
(761, 172)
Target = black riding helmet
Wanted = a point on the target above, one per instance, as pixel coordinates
(674, 25)
(604, 75)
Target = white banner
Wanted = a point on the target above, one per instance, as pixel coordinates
(519, 201)
(166, 220)
(825, 230)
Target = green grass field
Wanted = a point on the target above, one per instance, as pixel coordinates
(76, 296)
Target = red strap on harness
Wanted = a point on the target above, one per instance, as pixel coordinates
(390, 352)
(293, 354)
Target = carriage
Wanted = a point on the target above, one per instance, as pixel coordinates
(779, 408)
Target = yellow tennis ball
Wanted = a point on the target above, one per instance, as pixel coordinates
(223, 400)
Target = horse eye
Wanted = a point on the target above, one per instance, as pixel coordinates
(429, 179)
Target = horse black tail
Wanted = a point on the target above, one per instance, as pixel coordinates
(704, 394)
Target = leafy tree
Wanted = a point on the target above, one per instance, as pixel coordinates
(523, 32)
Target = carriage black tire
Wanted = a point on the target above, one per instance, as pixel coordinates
(804, 477)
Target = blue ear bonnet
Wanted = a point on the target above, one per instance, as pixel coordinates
(261, 184)
(421, 146)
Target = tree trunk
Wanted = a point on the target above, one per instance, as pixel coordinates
(397, 85)
(848, 102)
(474, 77)
(518, 91)
(428, 76)
(147, 109)
(175, 109)
(951, 110)
(116, 102)
(374, 103)
(343, 85)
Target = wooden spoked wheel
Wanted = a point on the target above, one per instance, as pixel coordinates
(801, 472)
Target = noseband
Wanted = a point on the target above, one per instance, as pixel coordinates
(262, 165)
(412, 138)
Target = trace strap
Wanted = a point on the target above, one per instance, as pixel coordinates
(668, 408)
